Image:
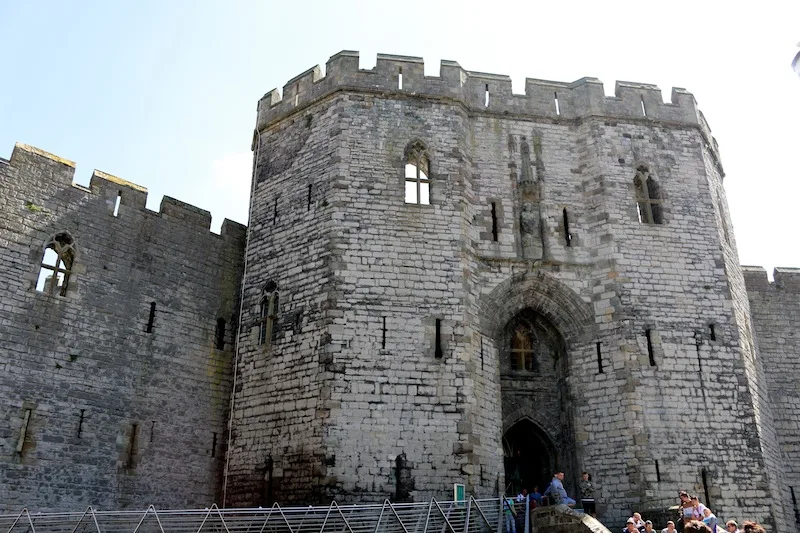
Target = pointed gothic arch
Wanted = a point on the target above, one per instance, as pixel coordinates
(544, 294)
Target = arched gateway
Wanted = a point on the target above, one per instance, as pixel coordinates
(535, 321)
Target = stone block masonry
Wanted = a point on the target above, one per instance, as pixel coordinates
(116, 393)
(775, 308)
(443, 282)
(550, 306)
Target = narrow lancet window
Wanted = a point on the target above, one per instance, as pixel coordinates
(438, 353)
(417, 175)
(268, 313)
(151, 318)
(219, 336)
(494, 222)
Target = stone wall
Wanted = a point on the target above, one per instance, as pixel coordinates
(97, 410)
(562, 519)
(373, 347)
(775, 308)
(533, 208)
(283, 390)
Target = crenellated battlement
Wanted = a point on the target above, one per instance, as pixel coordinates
(786, 279)
(109, 187)
(480, 92)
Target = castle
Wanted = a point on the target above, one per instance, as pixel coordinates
(441, 282)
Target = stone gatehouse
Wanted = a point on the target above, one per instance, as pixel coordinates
(441, 282)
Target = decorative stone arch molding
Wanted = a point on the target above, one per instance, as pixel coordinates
(546, 295)
(521, 415)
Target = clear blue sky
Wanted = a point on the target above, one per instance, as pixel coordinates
(164, 93)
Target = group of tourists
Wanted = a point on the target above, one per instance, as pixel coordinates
(695, 518)
(693, 515)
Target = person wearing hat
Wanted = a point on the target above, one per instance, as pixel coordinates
(630, 527)
(732, 527)
(648, 527)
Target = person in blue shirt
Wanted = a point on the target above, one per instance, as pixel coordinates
(557, 492)
(536, 496)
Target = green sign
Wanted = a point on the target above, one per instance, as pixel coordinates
(459, 495)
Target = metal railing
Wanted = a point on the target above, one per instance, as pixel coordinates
(469, 516)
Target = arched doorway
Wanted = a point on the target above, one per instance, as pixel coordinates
(530, 457)
(537, 411)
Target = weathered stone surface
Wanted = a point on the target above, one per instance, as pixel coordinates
(84, 364)
(386, 273)
(376, 337)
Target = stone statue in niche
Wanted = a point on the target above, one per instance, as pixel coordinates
(530, 195)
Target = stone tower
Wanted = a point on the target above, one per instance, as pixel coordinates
(449, 283)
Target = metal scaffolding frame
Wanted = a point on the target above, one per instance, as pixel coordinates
(468, 516)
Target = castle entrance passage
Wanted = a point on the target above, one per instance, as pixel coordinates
(529, 457)
(537, 414)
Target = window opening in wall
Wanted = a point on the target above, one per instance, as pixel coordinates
(404, 483)
(697, 349)
(266, 492)
(704, 476)
(644, 110)
(152, 429)
(697, 341)
(151, 318)
(262, 322)
(214, 445)
(56, 267)
(383, 335)
(117, 202)
(132, 448)
(417, 175)
(712, 332)
(558, 109)
(599, 359)
(567, 234)
(80, 422)
(481, 337)
(270, 304)
(219, 336)
(400, 79)
(296, 95)
(658, 473)
(648, 336)
(523, 346)
(648, 197)
(275, 211)
(438, 351)
(794, 504)
(494, 221)
(308, 202)
(26, 418)
(486, 97)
